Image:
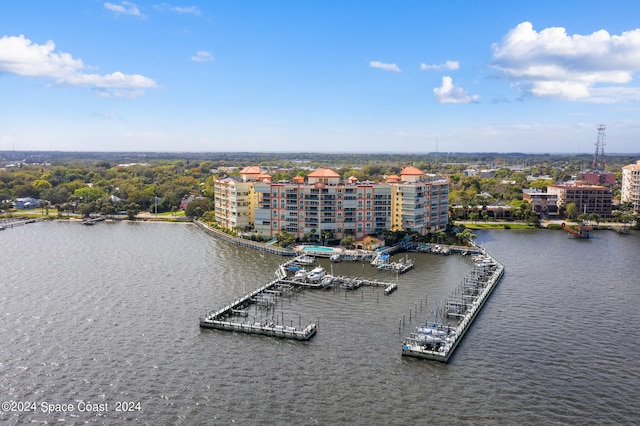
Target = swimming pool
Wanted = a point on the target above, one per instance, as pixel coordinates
(318, 249)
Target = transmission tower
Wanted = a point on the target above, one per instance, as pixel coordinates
(598, 158)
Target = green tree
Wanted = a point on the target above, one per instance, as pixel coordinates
(465, 235)
(285, 239)
(27, 190)
(326, 235)
(348, 241)
(132, 211)
(88, 194)
(571, 211)
(198, 207)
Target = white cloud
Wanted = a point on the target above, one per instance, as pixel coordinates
(202, 56)
(382, 65)
(448, 65)
(593, 68)
(124, 8)
(448, 93)
(20, 56)
(193, 10)
(108, 116)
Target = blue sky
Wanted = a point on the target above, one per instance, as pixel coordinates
(320, 76)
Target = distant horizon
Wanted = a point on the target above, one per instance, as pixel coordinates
(426, 153)
(289, 76)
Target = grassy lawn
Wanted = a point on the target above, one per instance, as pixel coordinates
(500, 225)
(30, 213)
(54, 214)
(171, 214)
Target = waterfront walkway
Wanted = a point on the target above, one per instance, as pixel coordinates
(243, 242)
(18, 221)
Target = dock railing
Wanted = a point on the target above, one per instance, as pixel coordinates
(243, 242)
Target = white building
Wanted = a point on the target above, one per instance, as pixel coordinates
(630, 192)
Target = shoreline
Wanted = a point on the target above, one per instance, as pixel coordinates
(472, 225)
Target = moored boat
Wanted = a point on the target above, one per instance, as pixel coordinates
(316, 274)
(300, 275)
(305, 260)
(327, 281)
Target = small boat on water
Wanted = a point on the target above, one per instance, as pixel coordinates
(300, 275)
(305, 260)
(316, 274)
(381, 259)
(402, 266)
(350, 284)
(335, 257)
(327, 281)
(434, 329)
(293, 267)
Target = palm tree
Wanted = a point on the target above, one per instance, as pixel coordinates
(326, 235)
(465, 235)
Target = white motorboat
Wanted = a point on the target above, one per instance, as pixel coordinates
(301, 275)
(327, 281)
(316, 274)
(305, 260)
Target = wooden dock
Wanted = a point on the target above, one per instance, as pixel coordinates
(235, 316)
(438, 342)
(13, 222)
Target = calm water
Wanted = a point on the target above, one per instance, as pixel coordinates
(109, 314)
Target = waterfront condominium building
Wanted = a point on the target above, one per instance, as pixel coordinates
(589, 199)
(630, 191)
(542, 203)
(326, 206)
(234, 199)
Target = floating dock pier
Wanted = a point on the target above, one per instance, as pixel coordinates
(235, 316)
(229, 317)
(13, 222)
(437, 341)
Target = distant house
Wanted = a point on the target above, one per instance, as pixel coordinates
(26, 203)
(486, 173)
(185, 201)
(541, 202)
(369, 243)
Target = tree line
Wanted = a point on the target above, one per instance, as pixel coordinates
(109, 183)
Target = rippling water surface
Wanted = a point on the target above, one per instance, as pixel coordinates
(109, 313)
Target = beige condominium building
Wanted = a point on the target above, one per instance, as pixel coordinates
(630, 192)
(589, 199)
(327, 206)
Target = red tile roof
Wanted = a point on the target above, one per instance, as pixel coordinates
(412, 171)
(251, 170)
(323, 173)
